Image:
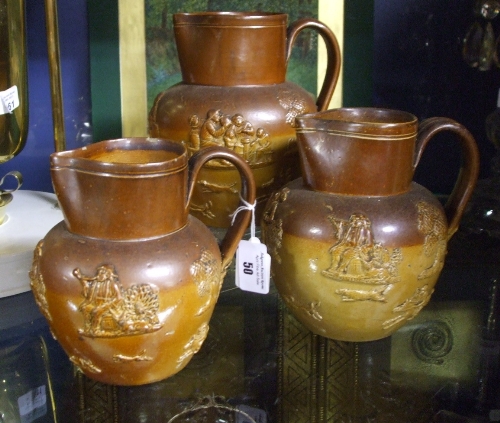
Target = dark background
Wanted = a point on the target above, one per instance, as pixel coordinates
(418, 67)
(398, 54)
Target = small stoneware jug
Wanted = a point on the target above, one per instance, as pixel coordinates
(234, 94)
(128, 281)
(356, 246)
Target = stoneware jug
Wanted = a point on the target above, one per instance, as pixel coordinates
(356, 246)
(234, 94)
(128, 281)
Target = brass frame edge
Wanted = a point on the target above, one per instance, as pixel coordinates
(133, 77)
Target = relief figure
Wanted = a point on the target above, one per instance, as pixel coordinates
(356, 257)
(110, 311)
(231, 131)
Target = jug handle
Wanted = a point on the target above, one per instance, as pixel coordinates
(333, 54)
(235, 232)
(469, 169)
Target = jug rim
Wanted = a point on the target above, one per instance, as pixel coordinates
(84, 158)
(224, 18)
(376, 121)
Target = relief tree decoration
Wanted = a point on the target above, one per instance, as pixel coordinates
(432, 225)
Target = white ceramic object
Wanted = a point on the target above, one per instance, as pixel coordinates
(30, 215)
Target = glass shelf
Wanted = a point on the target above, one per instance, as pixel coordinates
(259, 364)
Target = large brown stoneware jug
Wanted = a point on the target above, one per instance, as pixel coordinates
(356, 246)
(234, 94)
(128, 281)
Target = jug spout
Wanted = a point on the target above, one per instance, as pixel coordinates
(359, 151)
(122, 189)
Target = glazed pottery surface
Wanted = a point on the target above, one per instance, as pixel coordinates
(128, 281)
(356, 246)
(234, 94)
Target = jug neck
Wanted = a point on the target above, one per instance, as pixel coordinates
(365, 152)
(231, 48)
(124, 189)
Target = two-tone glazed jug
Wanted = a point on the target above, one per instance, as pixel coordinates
(234, 93)
(128, 281)
(356, 245)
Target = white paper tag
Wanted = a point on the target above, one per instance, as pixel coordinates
(253, 266)
(9, 100)
(256, 414)
(33, 404)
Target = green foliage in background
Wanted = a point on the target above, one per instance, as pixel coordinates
(162, 64)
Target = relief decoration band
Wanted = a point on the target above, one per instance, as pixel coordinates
(233, 132)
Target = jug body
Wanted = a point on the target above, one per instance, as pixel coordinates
(234, 94)
(357, 247)
(128, 281)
